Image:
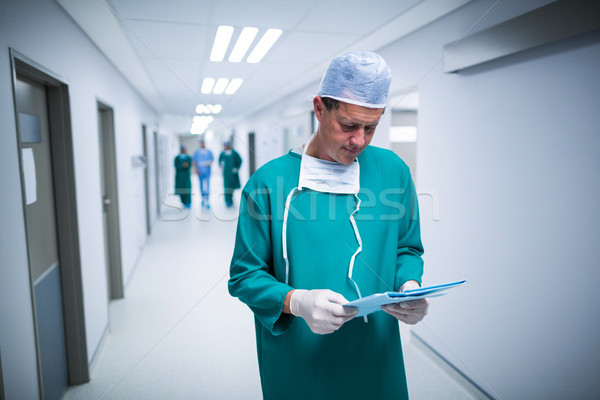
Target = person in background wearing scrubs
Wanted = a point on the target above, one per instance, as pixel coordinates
(203, 159)
(183, 180)
(327, 223)
(230, 161)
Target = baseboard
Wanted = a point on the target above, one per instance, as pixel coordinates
(470, 386)
(99, 349)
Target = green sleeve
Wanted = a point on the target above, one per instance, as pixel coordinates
(409, 264)
(251, 269)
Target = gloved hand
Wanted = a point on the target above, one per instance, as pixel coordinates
(409, 312)
(321, 309)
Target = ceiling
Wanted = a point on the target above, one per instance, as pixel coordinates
(163, 47)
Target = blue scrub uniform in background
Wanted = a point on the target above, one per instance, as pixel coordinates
(203, 158)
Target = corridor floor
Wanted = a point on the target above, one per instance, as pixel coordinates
(178, 334)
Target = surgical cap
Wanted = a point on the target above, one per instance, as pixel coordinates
(357, 77)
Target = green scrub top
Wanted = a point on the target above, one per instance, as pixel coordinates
(183, 167)
(229, 162)
(361, 360)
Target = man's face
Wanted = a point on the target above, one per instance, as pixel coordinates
(343, 132)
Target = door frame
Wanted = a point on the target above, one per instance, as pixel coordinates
(157, 163)
(109, 163)
(146, 180)
(1, 378)
(67, 226)
(251, 153)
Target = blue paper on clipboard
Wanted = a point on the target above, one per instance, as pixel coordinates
(373, 303)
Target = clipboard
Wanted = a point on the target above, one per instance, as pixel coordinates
(372, 303)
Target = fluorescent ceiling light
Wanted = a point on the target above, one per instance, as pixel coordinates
(220, 85)
(207, 85)
(233, 86)
(200, 123)
(243, 44)
(221, 43)
(204, 119)
(208, 108)
(264, 45)
(197, 130)
(202, 109)
(216, 108)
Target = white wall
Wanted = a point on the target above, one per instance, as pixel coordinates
(508, 150)
(40, 30)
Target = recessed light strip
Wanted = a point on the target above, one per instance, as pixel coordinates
(220, 85)
(243, 44)
(207, 85)
(224, 33)
(233, 86)
(208, 108)
(264, 45)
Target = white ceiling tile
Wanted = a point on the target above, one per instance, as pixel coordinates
(168, 40)
(261, 14)
(186, 11)
(279, 72)
(353, 16)
(228, 70)
(309, 48)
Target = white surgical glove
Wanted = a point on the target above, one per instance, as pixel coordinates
(321, 309)
(409, 312)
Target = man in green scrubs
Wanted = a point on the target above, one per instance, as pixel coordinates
(230, 161)
(183, 179)
(321, 226)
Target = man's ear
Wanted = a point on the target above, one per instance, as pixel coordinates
(319, 107)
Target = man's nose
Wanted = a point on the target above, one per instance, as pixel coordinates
(358, 137)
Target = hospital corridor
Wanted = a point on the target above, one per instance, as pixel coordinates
(320, 199)
(178, 334)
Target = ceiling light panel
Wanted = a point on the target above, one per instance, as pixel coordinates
(208, 108)
(264, 45)
(243, 44)
(222, 39)
(207, 85)
(220, 85)
(233, 86)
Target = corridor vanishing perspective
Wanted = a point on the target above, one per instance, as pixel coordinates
(111, 289)
(178, 334)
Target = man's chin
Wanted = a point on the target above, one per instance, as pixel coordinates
(349, 156)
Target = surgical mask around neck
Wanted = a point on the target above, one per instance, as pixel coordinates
(329, 177)
(326, 177)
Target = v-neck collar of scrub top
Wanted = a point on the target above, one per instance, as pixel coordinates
(351, 186)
